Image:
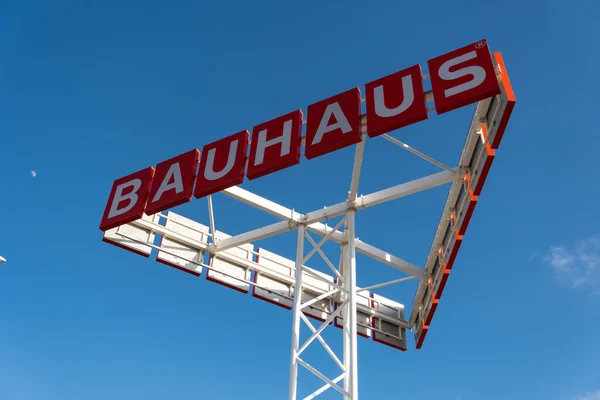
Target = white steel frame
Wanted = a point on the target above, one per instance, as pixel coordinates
(345, 290)
(346, 286)
(346, 274)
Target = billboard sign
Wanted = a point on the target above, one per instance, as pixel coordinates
(458, 78)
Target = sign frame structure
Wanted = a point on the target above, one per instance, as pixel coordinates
(189, 242)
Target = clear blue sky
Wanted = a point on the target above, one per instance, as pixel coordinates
(92, 91)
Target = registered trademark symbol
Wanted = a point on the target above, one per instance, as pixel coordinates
(480, 45)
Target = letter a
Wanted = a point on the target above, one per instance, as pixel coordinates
(333, 123)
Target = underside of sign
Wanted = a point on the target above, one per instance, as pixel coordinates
(332, 298)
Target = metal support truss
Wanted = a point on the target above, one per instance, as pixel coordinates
(344, 291)
(491, 116)
(350, 323)
(347, 296)
(347, 309)
(312, 219)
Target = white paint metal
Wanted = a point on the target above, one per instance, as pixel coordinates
(179, 252)
(234, 274)
(351, 363)
(296, 319)
(291, 284)
(288, 214)
(135, 230)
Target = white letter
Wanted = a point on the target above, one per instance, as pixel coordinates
(408, 96)
(476, 71)
(175, 173)
(263, 143)
(341, 122)
(119, 197)
(209, 172)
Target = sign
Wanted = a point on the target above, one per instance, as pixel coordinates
(458, 78)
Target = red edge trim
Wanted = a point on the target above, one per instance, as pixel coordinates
(227, 285)
(270, 301)
(485, 170)
(340, 326)
(194, 273)
(116, 224)
(155, 210)
(440, 291)
(313, 317)
(126, 248)
(237, 289)
(375, 333)
(510, 96)
(431, 312)
(254, 277)
(453, 254)
(422, 337)
(468, 214)
(178, 267)
(386, 343)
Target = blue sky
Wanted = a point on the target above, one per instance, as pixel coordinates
(91, 92)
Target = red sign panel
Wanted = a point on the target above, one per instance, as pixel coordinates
(510, 100)
(173, 182)
(333, 123)
(222, 164)
(275, 145)
(462, 77)
(127, 199)
(395, 101)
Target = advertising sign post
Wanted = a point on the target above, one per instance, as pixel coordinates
(137, 208)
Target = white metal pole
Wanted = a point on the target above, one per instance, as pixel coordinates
(345, 313)
(211, 217)
(350, 283)
(297, 313)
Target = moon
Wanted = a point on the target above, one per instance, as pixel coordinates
(33, 173)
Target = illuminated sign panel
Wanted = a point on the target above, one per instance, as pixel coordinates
(127, 199)
(133, 220)
(333, 123)
(396, 101)
(222, 164)
(463, 77)
(458, 78)
(173, 182)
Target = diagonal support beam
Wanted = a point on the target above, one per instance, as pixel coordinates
(317, 247)
(380, 285)
(416, 152)
(262, 203)
(358, 156)
(323, 343)
(372, 251)
(256, 234)
(322, 377)
(324, 387)
(211, 218)
(319, 298)
(406, 189)
(320, 329)
(312, 218)
(383, 196)
(319, 228)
